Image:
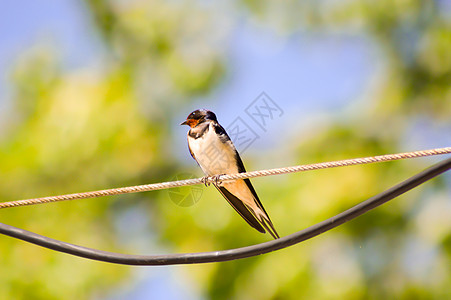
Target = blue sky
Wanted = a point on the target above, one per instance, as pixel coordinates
(307, 74)
(63, 24)
(259, 60)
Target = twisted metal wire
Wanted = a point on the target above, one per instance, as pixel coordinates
(230, 254)
(228, 177)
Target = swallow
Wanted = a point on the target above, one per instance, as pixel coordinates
(213, 150)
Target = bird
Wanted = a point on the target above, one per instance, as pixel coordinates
(213, 150)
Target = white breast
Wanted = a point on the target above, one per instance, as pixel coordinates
(213, 156)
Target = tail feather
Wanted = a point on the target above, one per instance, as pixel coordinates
(266, 222)
(247, 214)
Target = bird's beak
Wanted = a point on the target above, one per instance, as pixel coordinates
(184, 122)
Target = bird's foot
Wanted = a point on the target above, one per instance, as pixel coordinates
(216, 179)
(206, 180)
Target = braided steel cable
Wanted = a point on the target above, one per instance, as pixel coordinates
(227, 177)
(232, 254)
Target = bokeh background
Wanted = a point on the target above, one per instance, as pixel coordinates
(92, 93)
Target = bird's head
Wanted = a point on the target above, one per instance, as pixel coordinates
(199, 116)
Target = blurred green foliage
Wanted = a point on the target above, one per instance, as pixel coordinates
(77, 131)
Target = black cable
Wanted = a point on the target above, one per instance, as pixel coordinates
(225, 255)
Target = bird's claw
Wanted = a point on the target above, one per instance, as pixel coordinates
(215, 179)
(205, 180)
